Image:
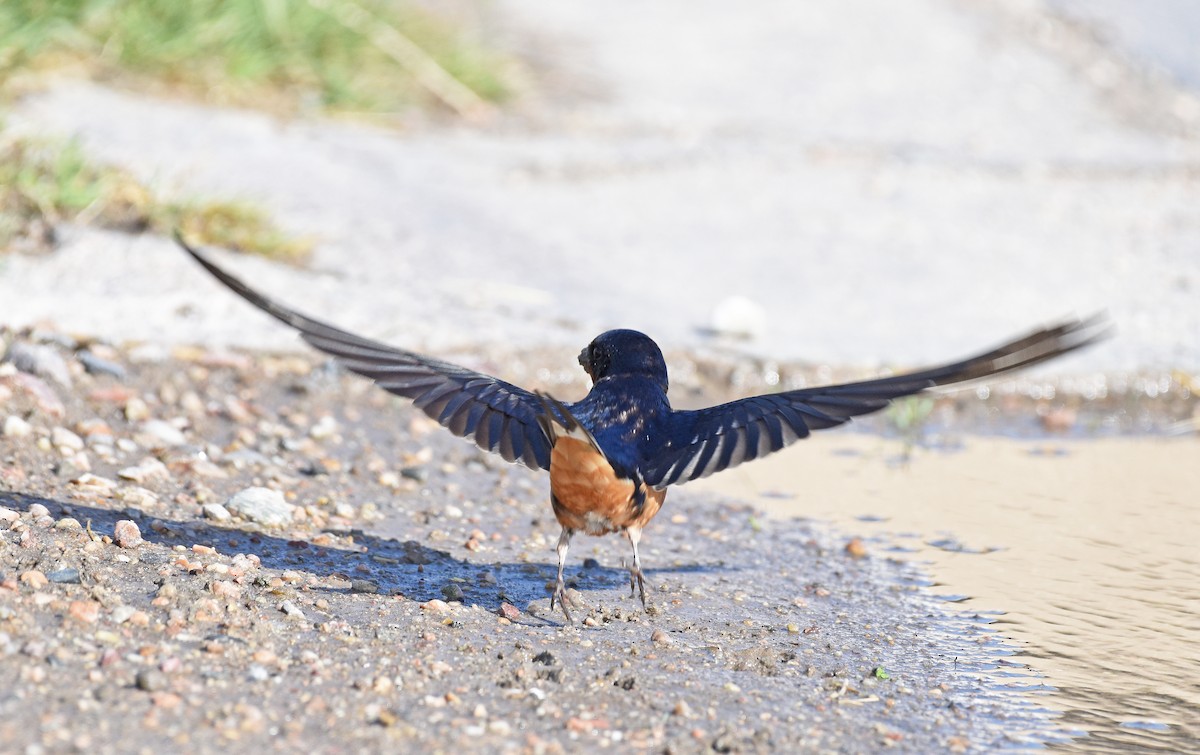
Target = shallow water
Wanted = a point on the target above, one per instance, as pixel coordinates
(1083, 552)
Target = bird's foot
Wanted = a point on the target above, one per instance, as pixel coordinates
(564, 602)
(637, 585)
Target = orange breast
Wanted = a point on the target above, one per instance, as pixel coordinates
(589, 496)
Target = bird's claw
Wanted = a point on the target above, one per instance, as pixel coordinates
(637, 585)
(564, 602)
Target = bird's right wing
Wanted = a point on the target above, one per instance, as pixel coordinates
(699, 443)
(498, 416)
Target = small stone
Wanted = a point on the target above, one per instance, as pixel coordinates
(37, 511)
(137, 497)
(435, 606)
(126, 534)
(136, 410)
(383, 685)
(509, 611)
(87, 611)
(156, 432)
(68, 523)
(94, 483)
(65, 441)
(363, 586)
(417, 474)
(682, 709)
(151, 680)
(43, 395)
(95, 430)
(389, 480)
(34, 579)
(258, 673)
(452, 511)
(659, 637)
(96, 365)
(262, 505)
(216, 512)
(68, 575)
(148, 469)
(15, 427)
(43, 361)
(452, 592)
(324, 428)
(291, 609)
(855, 548)
(8, 516)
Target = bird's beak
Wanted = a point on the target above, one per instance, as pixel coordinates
(583, 362)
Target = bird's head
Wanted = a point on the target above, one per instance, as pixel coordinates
(624, 352)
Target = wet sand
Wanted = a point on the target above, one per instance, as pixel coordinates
(1084, 552)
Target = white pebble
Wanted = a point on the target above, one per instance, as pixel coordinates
(149, 469)
(262, 505)
(15, 427)
(324, 428)
(162, 433)
(65, 441)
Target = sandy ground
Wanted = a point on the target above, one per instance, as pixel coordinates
(402, 601)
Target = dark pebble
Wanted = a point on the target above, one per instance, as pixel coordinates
(97, 366)
(66, 576)
(415, 473)
(591, 563)
(545, 658)
(364, 586)
(452, 592)
(151, 680)
(43, 361)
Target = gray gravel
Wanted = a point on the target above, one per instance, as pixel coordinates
(397, 614)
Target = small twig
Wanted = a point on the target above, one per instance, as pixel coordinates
(859, 700)
(390, 41)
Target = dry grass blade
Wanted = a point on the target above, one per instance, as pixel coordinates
(389, 40)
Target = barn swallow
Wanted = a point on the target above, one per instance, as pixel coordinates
(612, 455)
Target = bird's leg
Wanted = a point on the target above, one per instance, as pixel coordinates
(560, 590)
(636, 580)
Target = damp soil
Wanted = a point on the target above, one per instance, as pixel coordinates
(404, 604)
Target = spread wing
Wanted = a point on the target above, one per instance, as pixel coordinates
(497, 416)
(708, 440)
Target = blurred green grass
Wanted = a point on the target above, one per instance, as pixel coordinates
(44, 183)
(369, 57)
(277, 54)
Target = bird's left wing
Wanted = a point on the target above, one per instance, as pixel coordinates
(699, 443)
(498, 416)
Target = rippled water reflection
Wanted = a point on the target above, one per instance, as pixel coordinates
(1086, 551)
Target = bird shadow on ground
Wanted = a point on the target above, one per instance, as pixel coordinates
(404, 569)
